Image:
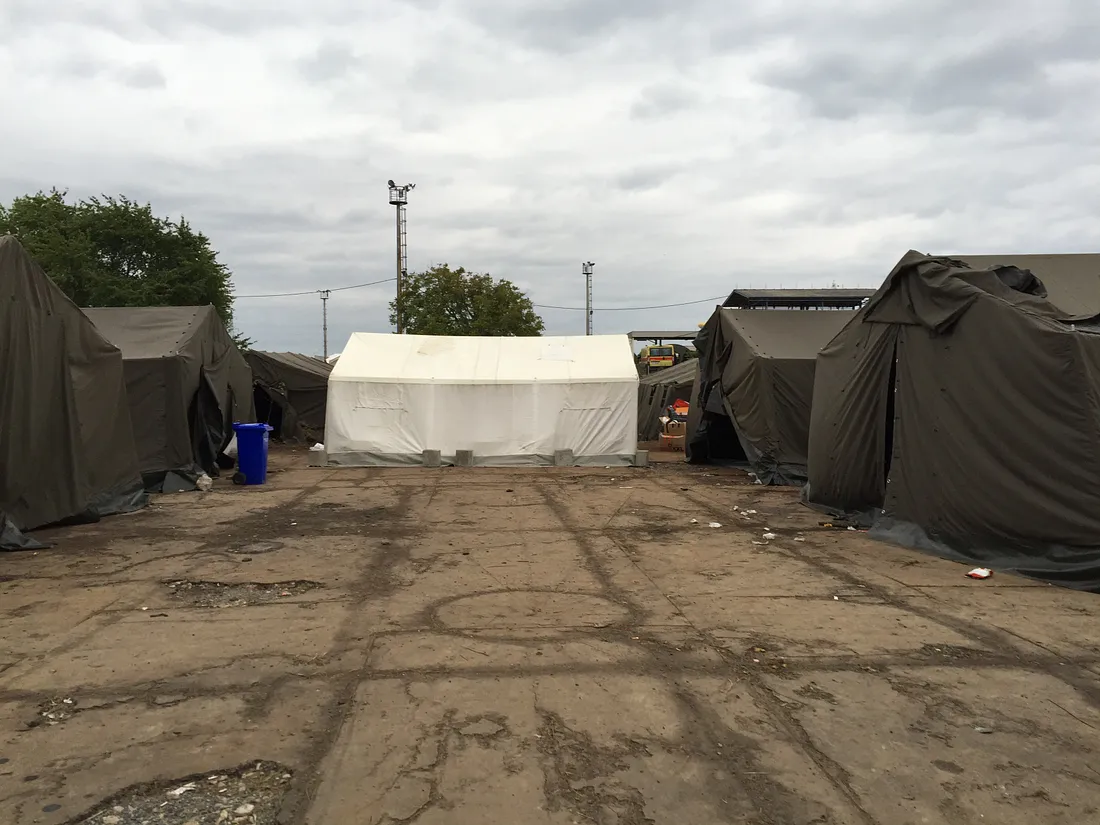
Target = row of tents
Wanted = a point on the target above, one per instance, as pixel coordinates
(958, 411)
(100, 406)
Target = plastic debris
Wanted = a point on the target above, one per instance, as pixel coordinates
(205, 483)
(245, 809)
(317, 448)
(770, 536)
(751, 512)
(799, 538)
(695, 521)
(231, 448)
(980, 573)
(176, 793)
(714, 524)
(981, 729)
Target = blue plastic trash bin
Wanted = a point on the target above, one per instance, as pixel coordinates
(252, 451)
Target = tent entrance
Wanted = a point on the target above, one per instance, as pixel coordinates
(268, 411)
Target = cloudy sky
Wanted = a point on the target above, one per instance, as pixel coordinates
(685, 146)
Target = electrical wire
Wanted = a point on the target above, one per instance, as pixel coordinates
(632, 309)
(537, 306)
(315, 291)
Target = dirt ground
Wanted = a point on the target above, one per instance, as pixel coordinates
(343, 647)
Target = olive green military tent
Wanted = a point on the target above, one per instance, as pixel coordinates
(756, 379)
(187, 383)
(290, 394)
(66, 446)
(959, 412)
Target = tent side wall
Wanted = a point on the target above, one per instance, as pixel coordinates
(977, 471)
(848, 419)
(379, 423)
(65, 450)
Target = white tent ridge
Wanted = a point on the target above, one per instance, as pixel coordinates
(508, 401)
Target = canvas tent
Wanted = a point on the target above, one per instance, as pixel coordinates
(658, 390)
(186, 382)
(756, 380)
(1071, 281)
(959, 413)
(66, 448)
(290, 393)
(507, 400)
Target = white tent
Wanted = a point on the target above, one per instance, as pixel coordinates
(393, 398)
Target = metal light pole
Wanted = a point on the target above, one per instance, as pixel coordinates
(324, 317)
(399, 197)
(586, 268)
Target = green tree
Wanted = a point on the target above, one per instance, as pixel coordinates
(445, 301)
(115, 252)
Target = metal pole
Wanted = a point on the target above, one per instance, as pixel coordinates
(586, 268)
(324, 318)
(400, 268)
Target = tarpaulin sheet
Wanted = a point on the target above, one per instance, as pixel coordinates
(961, 416)
(170, 353)
(658, 390)
(66, 447)
(508, 400)
(298, 386)
(756, 380)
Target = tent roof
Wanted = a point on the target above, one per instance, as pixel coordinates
(786, 333)
(1072, 280)
(148, 332)
(413, 359)
(294, 361)
(682, 373)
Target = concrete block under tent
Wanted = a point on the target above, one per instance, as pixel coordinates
(186, 382)
(494, 401)
(751, 402)
(66, 445)
(290, 393)
(959, 413)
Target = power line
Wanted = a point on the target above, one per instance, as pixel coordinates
(537, 306)
(315, 291)
(634, 309)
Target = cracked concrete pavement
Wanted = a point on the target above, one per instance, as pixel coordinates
(538, 646)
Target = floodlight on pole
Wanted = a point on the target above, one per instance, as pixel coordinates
(399, 197)
(586, 268)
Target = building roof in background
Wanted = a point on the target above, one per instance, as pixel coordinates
(663, 335)
(797, 298)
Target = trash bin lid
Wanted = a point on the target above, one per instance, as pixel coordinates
(237, 427)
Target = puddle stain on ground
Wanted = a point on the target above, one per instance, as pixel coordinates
(249, 795)
(237, 594)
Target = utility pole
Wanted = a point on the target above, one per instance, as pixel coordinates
(399, 197)
(324, 317)
(586, 268)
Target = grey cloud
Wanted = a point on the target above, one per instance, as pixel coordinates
(645, 178)
(331, 61)
(663, 100)
(572, 25)
(142, 76)
(937, 58)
